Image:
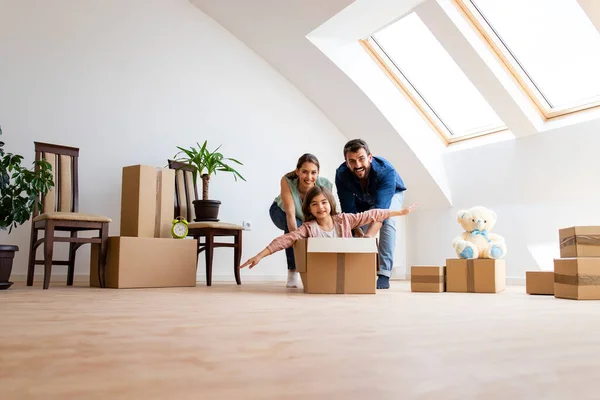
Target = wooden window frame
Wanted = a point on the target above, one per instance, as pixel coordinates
(511, 64)
(419, 102)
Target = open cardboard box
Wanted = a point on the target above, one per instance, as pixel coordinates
(337, 265)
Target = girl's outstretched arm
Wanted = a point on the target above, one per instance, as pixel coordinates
(377, 215)
(279, 243)
(255, 260)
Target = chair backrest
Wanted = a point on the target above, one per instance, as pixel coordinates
(185, 191)
(64, 195)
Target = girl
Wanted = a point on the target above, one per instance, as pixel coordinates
(322, 220)
(286, 209)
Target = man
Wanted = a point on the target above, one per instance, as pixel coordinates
(364, 182)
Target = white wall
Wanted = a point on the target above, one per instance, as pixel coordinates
(536, 185)
(128, 80)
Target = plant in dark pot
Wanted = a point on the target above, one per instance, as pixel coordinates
(205, 163)
(20, 190)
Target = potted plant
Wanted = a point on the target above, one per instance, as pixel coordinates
(20, 190)
(205, 163)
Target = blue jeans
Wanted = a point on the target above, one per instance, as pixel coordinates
(387, 238)
(278, 218)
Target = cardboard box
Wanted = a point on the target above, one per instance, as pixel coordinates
(577, 278)
(337, 265)
(146, 263)
(579, 241)
(424, 278)
(539, 282)
(147, 201)
(480, 275)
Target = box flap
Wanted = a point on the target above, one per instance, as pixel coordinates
(341, 245)
(300, 255)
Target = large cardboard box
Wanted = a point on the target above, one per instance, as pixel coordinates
(577, 278)
(539, 282)
(579, 241)
(425, 278)
(480, 275)
(147, 201)
(337, 265)
(146, 263)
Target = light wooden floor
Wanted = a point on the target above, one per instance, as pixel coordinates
(262, 341)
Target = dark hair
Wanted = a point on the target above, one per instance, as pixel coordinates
(304, 158)
(355, 145)
(310, 195)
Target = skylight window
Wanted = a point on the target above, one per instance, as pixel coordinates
(422, 68)
(551, 47)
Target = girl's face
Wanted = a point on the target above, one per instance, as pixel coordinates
(320, 207)
(307, 175)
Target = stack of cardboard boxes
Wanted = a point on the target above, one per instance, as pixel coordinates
(576, 273)
(145, 254)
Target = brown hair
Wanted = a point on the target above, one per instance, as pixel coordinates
(310, 195)
(304, 158)
(355, 145)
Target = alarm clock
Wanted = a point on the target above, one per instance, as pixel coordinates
(179, 230)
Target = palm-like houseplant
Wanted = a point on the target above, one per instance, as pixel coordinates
(20, 191)
(205, 163)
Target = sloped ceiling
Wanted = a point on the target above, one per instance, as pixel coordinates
(276, 30)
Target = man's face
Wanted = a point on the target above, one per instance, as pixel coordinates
(359, 163)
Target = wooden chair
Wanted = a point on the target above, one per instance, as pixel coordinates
(60, 213)
(185, 194)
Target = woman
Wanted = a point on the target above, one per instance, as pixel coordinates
(286, 210)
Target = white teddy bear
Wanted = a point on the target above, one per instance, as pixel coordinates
(477, 241)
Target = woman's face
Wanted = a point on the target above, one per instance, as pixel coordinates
(307, 175)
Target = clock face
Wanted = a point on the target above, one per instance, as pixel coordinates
(179, 229)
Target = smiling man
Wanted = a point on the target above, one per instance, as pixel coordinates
(365, 182)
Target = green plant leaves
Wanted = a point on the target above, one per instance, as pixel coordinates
(204, 162)
(21, 188)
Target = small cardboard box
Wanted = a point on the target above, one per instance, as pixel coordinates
(337, 265)
(147, 201)
(539, 282)
(133, 262)
(577, 278)
(480, 275)
(424, 278)
(579, 241)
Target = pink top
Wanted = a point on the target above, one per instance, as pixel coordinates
(342, 223)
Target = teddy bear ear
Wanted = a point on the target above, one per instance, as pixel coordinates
(461, 215)
(494, 215)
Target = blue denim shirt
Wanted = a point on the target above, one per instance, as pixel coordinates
(383, 182)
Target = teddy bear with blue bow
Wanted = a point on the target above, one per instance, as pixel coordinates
(477, 241)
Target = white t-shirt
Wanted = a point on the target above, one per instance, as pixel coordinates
(331, 234)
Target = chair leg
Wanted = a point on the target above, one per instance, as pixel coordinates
(237, 257)
(102, 255)
(32, 251)
(72, 251)
(209, 257)
(48, 250)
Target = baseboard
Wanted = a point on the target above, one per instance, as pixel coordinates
(226, 278)
(80, 278)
